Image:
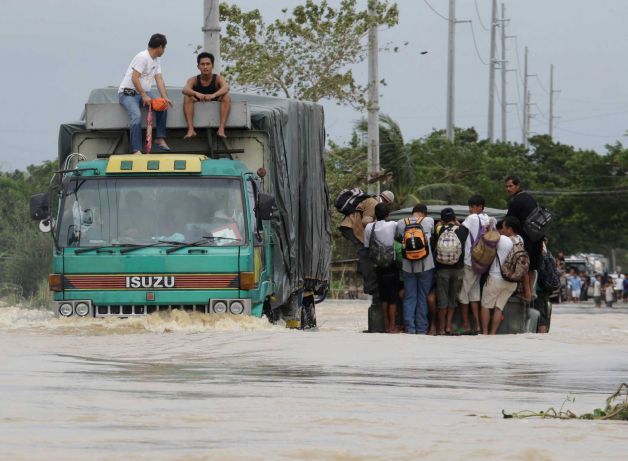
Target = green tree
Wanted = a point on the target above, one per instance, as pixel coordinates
(26, 252)
(395, 160)
(305, 56)
(346, 168)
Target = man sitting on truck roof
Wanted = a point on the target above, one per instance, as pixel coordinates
(135, 89)
(205, 87)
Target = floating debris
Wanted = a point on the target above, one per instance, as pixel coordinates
(616, 409)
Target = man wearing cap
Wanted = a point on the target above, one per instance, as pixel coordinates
(135, 90)
(352, 228)
(449, 269)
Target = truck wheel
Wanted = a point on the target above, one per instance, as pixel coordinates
(271, 314)
(308, 313)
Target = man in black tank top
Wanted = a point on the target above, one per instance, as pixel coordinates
(204, 87)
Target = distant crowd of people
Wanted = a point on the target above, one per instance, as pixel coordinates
(605, 288)
(431, 269)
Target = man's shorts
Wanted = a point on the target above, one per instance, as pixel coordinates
(448, 283)
(541, 304)
(575, 294)
(388, 284)
(496, 292)
(470, 291)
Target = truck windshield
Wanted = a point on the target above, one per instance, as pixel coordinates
(113, 211)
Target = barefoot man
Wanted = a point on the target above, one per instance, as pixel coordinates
(204, 87)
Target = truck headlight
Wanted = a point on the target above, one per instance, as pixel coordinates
(236, 307)
(65, 309)
(81, 309)
(220, 307)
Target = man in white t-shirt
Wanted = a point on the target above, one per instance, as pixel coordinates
(497, 290)
(387, 277)
(470, 290)
(135, 90)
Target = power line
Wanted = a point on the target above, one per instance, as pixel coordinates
(584, 193)
(435, 11)
(477, 11)
(541, 84)
(590, 135)
(475, 43)
(517, 53)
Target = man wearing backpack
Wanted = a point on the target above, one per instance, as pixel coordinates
(449, 254)
(379, 238)
(476, 222)
(417, 267)
(352, 228)
(498, 290)
(520, 205)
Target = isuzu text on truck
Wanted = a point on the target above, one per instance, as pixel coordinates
(237, 226)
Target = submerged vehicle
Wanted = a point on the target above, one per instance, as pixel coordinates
(236, 226)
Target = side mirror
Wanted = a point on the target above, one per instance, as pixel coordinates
(266, 203)
(39, 206)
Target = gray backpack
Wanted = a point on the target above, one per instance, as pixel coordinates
(381, 255)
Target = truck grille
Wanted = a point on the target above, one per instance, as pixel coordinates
(134, 310)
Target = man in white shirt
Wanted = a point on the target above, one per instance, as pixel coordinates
(387, 277)
(597, 290)
(135, 90)
(470, 290)
(497, 290)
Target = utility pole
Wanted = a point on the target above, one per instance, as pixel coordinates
(527, 122)
(211, 31)
(503, 73)
(552, 101)
(551, 108)
(450, 70)
(491, 79)
(373, 102)
(525, 99)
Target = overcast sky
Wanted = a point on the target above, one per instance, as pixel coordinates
(55, 52)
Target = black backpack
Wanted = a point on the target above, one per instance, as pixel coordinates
(549, 276)
(349, 199)
(537, 223)
(382, 256)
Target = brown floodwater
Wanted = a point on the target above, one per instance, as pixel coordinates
(194, 387)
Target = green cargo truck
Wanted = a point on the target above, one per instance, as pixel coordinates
(237, 226)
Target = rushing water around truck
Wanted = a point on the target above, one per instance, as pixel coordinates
(192, 387)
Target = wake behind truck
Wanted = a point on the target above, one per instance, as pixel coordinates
(234, 226)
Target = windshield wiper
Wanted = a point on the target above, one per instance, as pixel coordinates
(198, 242)
(97, 249)
(129, 247)
(159, 242)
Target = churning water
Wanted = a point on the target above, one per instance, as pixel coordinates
(193, 387)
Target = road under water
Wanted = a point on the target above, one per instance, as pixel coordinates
(190, 387)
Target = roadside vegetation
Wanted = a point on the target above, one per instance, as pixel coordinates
(586, 190)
